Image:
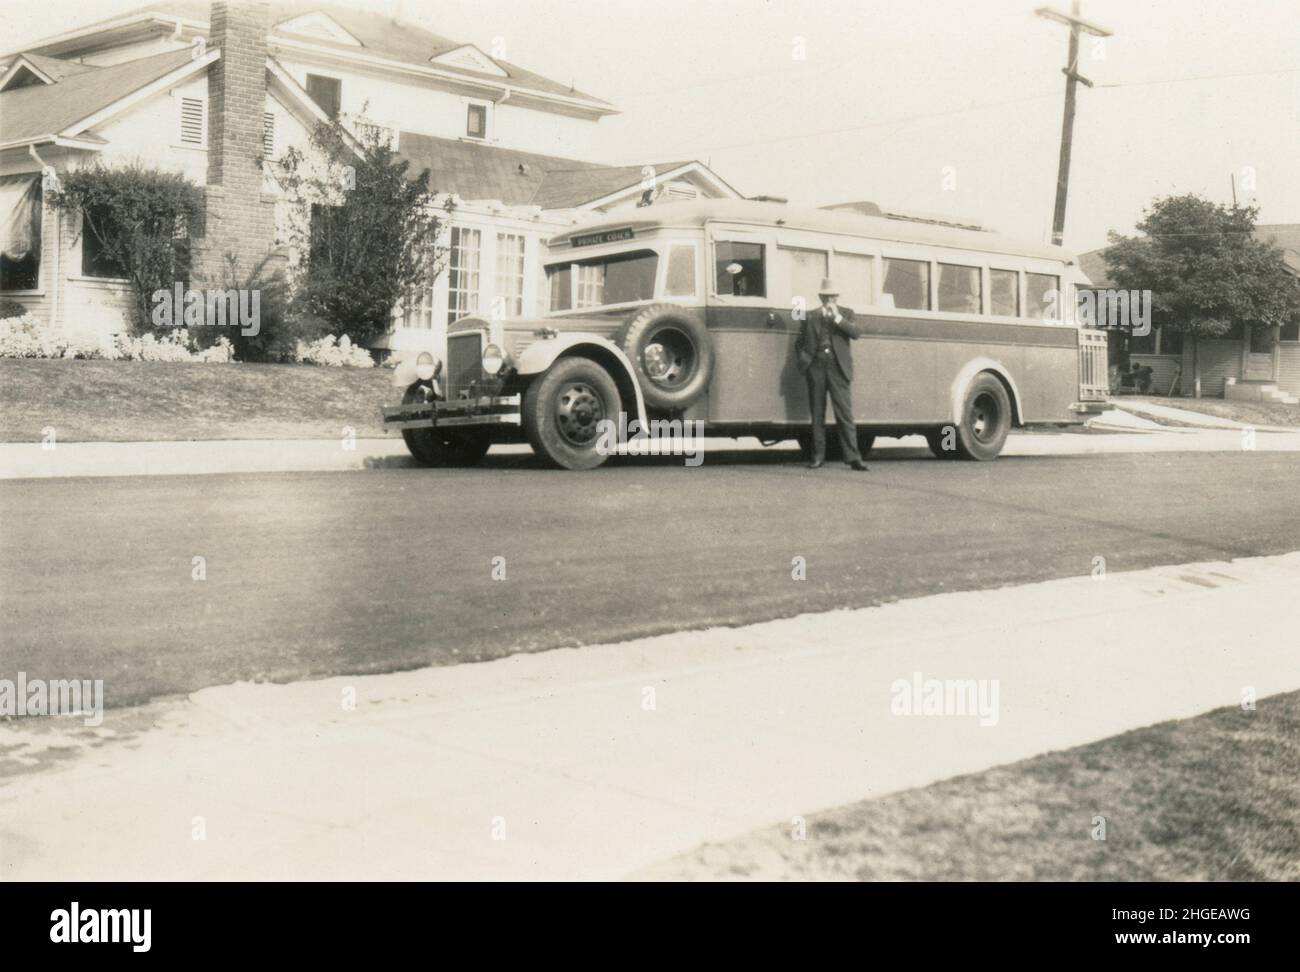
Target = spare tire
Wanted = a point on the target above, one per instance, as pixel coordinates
(671, 355)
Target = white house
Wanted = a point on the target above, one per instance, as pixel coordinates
(217, 92)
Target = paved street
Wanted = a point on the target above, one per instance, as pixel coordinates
(321, 574)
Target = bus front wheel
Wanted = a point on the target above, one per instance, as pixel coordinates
(985, 419)
(563, 411)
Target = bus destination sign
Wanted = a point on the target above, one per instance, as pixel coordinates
(609, 236)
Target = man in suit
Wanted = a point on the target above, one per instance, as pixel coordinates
(826, 361)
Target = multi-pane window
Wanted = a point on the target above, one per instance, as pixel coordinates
(807, 268)
(907, 283)
(590, 285)
(510, 274)
(418, 311)
(1004, 292)
(463, 273)
(959, 289)
(740, 270)
(1042, 296)
(853, 276)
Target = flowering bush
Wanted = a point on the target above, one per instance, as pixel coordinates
(24, 337)
(334, 353)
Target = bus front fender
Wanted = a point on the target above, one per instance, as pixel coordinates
(961, 384)
(540, 355)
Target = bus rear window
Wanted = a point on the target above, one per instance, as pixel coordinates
(619, 278)
(1042, 296)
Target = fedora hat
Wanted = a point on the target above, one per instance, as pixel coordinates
(828, 287)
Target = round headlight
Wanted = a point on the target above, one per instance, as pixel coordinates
(425, 366)
(494, 359)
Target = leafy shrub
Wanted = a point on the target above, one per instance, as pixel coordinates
(10, 308)
(26, 337)
(141, 217)
(334, 353)
(283, 324)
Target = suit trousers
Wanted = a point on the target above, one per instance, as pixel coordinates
(825, 376)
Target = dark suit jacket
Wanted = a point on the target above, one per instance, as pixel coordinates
(841, 334)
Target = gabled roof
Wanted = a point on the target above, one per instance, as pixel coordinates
(473, 170)
(375, 36)
(37, 111)
(1093, 263)
(50, 70)
(1287, 237)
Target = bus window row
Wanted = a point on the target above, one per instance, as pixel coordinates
(741, 271)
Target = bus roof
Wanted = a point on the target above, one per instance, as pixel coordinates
(697, 213)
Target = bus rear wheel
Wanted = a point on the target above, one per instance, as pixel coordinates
(985, 419)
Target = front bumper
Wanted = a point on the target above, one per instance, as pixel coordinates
(498, 410)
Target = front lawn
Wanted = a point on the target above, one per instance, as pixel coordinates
(131, 401)
(1211, 798)
(1252, 413)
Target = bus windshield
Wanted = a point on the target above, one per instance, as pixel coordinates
(617, 278)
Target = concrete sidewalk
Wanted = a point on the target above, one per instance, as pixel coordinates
(32, 461)
(599, 761)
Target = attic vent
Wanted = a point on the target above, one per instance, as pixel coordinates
(192, 112)
(681, 190)
(268, 135)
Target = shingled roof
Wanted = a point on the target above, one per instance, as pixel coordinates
(48, 109)
(380, 36)
(476, 171)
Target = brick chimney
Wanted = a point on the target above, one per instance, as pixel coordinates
(239, 219)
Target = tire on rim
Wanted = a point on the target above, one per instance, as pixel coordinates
(671, 355)
(437, 448)
(563, 409)
(985, 419)
(943, 442)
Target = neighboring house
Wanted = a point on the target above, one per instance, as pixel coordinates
(219, 93)
(1238, 365)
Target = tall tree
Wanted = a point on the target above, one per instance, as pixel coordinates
(366, 232)
(1207, 273)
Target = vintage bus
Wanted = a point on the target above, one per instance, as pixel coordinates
(691, 310)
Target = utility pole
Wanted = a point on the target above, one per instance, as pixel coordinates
(1071, 71)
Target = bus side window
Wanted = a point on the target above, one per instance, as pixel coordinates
(740, 269)
(1043, 296)
(804, 271)
(1004, 292)
(907, 282)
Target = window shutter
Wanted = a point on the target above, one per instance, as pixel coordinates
(268, 135)
(192, 111)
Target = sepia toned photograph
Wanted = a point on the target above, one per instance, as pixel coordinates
(756, 441)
